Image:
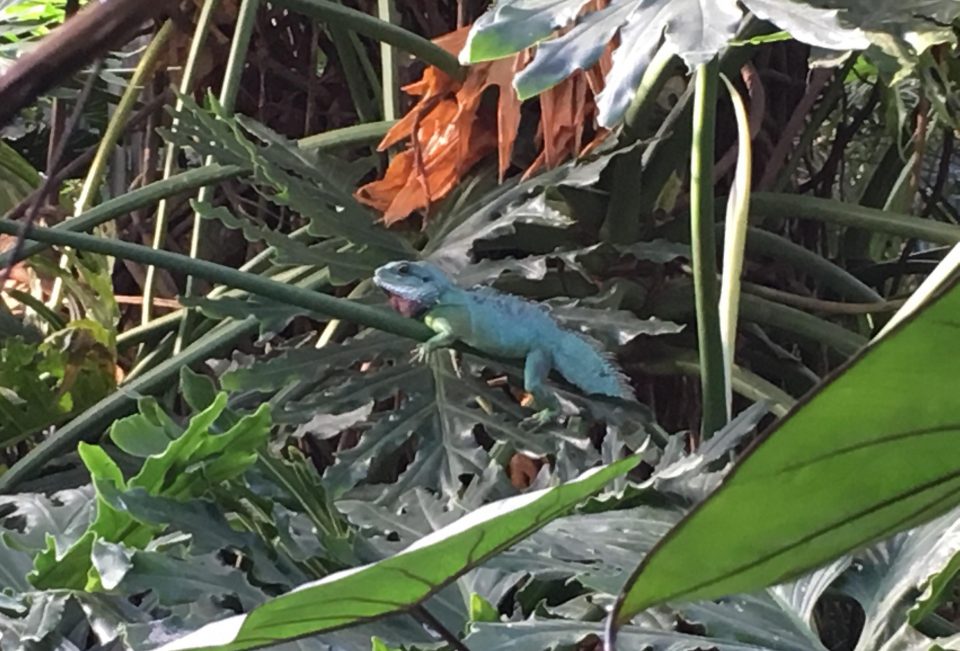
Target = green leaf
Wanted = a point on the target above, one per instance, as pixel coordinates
(347, 263)
(801, 496)
(514, 25)
(938, 591)
(41, 385)
(286, 175)
(174, 472)
(694, 30)
(146, 433)
(30, 517)
(402, 580)
(188, 580)
(481, 610)
(17, 178)
(272, 315)
(198, 390)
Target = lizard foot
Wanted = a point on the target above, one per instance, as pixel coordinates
(539, 419)
(421, 353)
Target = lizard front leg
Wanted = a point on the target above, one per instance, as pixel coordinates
(445, 337)
(535, 372)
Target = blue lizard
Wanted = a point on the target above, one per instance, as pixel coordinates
(502, 325)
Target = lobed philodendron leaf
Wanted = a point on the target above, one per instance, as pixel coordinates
(695, 30)
(364, 593)
(870, 453)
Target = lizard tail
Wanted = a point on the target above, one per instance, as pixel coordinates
(584, 363)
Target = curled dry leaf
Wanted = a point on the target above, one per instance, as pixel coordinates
(448, 132)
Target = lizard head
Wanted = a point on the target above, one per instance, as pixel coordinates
(414, 287)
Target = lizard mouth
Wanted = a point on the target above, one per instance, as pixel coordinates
(406, 306)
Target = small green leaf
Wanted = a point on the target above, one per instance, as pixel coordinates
(198, 390)
(481, 610)
(146, 433)
(938, 591)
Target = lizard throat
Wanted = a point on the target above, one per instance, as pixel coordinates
(409, 308)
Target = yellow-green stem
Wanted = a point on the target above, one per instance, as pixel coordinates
(170, 154)
(246, 21)
(111, 136)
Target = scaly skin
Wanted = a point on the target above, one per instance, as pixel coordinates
(502, 325)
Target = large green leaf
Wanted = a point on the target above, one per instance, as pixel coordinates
(401, 581)
(871, 453)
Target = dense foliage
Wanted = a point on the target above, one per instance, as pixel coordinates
(212, 429)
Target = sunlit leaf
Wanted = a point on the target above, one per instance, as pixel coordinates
(403, 580)
(801, 496)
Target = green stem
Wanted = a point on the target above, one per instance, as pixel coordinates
(131, 201)
(768, 204)
(674, 302)
(148, 331)
(246, 21)
(622, 222)
(259, 263)
(636, 120)
(195, 179)
(336, 308)
(815, 266)
(170, 155)
(345, 17)
(704, 250)
(799, 322)
(373, 79)
(388, 65)
(744, 382)
(111, 136)
(117, 123)
(353, 73)
(358, 134)
(56, 321)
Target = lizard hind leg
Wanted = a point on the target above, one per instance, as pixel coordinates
(535, 371)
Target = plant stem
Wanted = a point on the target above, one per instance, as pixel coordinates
(246, 21)
(353, 73)
(388, 65)
(734, 243)
(337, 308)
(111, 136)
(192, 180)
(345, 17)
(768, 204)
(703, 248)
(622, 222)
(170, 154)
(844, 283)
(126, 203)
(357, 134)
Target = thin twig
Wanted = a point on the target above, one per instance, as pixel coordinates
(818, 80)
(51, 179)
(21, 208)
(943, 173)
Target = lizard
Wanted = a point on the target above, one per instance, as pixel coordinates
(502, 325)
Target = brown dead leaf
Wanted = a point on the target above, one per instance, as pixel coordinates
(447, 134)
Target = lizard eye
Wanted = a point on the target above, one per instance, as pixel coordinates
(403, 268)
